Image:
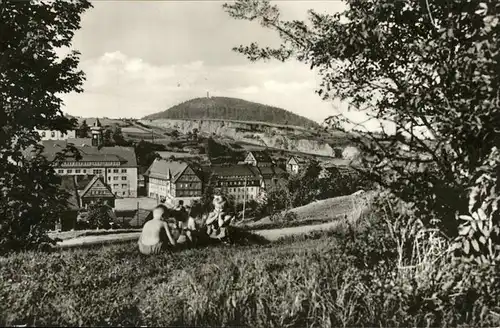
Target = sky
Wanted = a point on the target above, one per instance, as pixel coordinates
(142, 57)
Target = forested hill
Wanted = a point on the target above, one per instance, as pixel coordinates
(232, 109)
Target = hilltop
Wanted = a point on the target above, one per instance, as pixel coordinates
(225, 108)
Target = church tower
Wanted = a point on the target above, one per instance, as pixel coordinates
(97, 134)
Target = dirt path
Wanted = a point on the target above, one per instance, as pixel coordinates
(269, 234)
(314, 209)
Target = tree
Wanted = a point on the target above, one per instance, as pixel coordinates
(208, 193)
(99, 216)
(429, 68)
(195, 134)
(146, 152)
(305, 187)
(32, 78)
(83, 130)
(108, 137)
(175, 134)
(118, 138)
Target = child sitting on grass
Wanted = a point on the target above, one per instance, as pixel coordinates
(187, 223)
(156, 233)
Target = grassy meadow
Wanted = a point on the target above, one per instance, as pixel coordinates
(345, 277)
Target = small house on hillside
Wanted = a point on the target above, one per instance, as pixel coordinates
(173, 180)
(83, 191)
(258, 158)
(295, 164)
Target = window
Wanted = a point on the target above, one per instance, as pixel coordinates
(60, 171)
(115, 178)
(109, 170)
(77, 171)
(124, 170)
(84, 171)
(70, 171)
(53, 134)
(124, 185)
(109, 178)
(124, 178)
(115, 170)
(43, 134)
(123, 193)
(115, 185)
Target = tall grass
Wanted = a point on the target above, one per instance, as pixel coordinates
(348, 277)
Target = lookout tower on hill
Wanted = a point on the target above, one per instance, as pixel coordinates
(97, 134)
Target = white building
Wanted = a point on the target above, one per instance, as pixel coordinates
(116, 165)
(173, 181)
(56, 135)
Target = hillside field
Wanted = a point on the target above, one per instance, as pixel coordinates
(232, 109)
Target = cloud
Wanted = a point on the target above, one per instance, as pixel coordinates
(118, 85)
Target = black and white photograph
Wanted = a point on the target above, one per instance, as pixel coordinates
(250, 163)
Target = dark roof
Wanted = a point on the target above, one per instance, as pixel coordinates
(68, 184)
(299, 160)
(261, 156)
(124, 155)
(238, 170)
(270, 171)
(166, 169)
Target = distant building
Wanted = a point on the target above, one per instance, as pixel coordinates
(116, 165)
(295, 165)
(56, 135)
(96, 190)
(271, 176)
(241, 181)
(258, 158)
(83, 192)
(173, 181)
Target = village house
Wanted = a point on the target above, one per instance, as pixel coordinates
(296, 164)
(258, 158)
(172, 181)
(56, 135)
(116, 165)
(241, 181)
(82, 192)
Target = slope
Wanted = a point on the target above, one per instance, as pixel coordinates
(232, 109)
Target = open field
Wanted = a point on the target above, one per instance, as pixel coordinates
(318, 212)
(322, 279)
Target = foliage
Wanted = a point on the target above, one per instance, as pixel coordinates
(32, 78)
(208, 193)
(306, 187)
(146, 152)
(118, 138)
(232, 109)
(277, 199)
(98, 216)
(427, 70)
(83, 130)
(479, 232)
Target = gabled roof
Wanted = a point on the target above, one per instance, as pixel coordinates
(299, 160)
(92, 182)
(166, 169)
(124, 155)
(261, 156)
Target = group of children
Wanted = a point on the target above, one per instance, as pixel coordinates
(169, 226)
